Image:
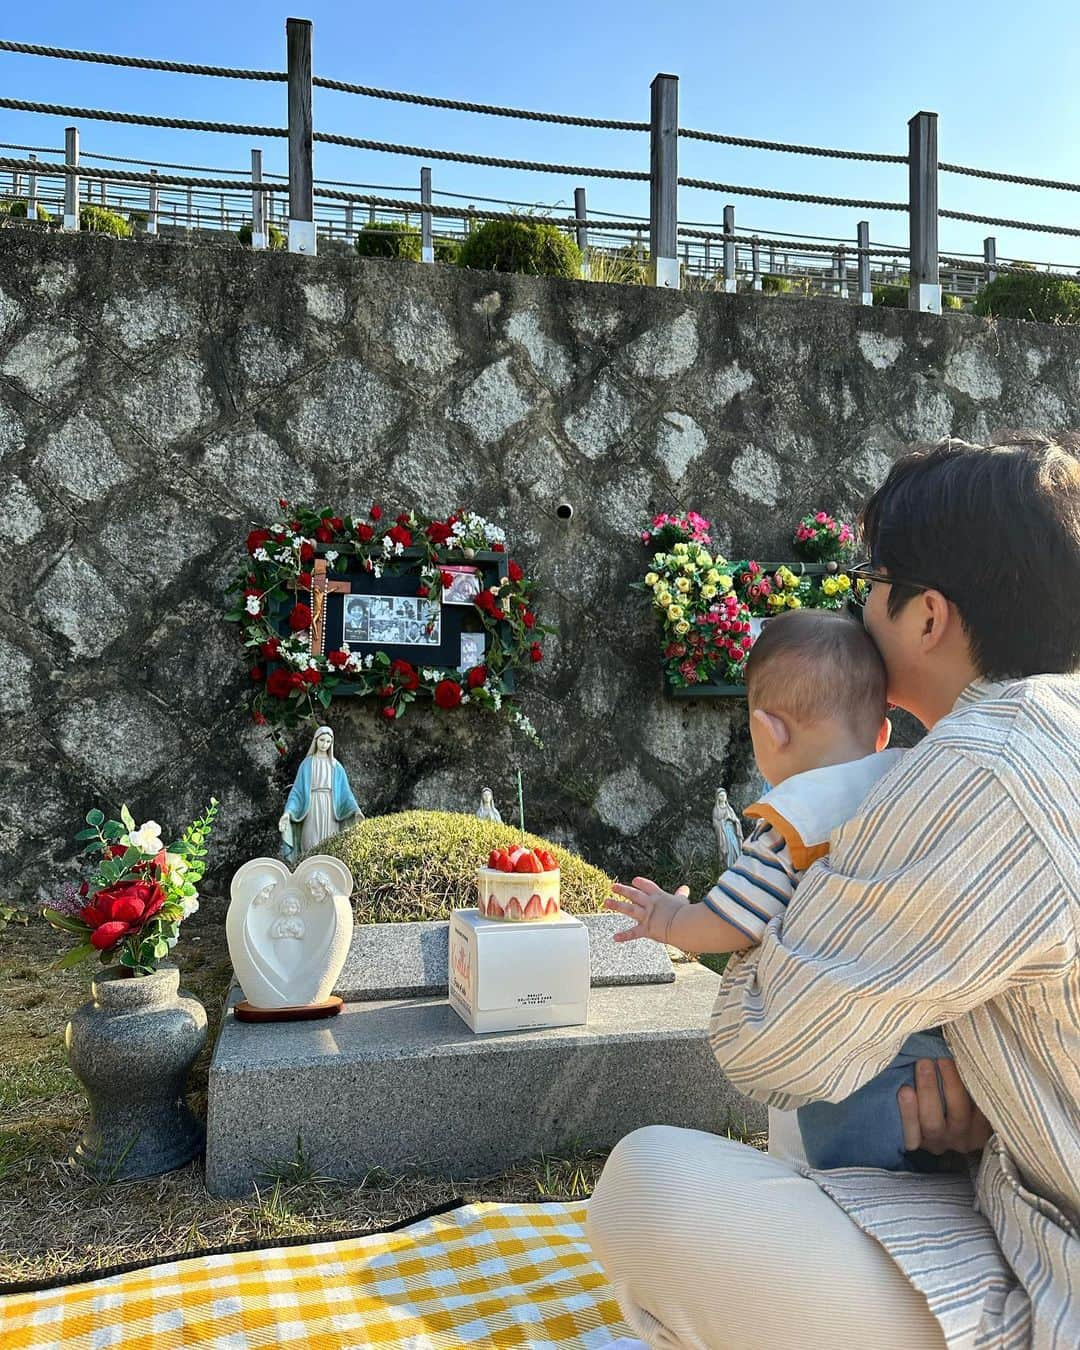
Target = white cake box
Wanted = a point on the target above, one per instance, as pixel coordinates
(509, 976)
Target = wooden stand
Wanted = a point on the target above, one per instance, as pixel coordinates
(245, 1012)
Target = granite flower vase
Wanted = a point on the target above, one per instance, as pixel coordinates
(131, 1048)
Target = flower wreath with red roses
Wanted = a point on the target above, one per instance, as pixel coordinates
(290, 684)
(137, 891)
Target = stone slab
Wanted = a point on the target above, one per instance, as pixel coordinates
(406, 960)
(402, 1083)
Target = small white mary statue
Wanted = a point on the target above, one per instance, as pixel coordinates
(321, 802)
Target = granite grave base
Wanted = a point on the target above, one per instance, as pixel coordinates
(400, 1083)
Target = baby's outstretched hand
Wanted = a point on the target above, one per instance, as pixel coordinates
(652, 909)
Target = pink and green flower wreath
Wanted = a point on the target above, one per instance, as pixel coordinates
(291, 685)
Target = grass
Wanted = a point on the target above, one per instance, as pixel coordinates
(57, 1220)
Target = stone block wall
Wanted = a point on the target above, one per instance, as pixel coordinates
(157, 399)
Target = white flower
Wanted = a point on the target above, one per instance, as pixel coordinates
(176, 865)
(191, 905)
(277, 529)
(332, 556)
(399, 547)
(171, 942)
(376, 569)
(312, 663)
(369, 660)
(458, 529)
(253, 605)
(261, 555)
(388, 544)
(147, 838)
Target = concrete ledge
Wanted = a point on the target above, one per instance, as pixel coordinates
(403, 1082)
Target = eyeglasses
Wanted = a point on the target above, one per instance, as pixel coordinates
(863, 577)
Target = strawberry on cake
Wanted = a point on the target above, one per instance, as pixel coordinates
(519, 884)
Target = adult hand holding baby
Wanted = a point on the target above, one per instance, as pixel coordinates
(652, 908)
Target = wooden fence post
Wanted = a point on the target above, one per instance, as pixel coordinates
(664, 182)
(924, 292)
(301, 175)
(581, 214)
(729, 250)
(71, 180)
(31, 194)
(866, 294)
(259, 231)
(990, 257)
(427, 242)
(152, 211)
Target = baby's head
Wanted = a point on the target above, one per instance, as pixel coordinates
(815, 686)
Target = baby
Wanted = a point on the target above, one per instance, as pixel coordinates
(815, 686)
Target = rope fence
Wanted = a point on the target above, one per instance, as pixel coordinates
(666, 235)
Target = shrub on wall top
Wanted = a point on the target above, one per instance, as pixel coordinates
(389, 239)
(275, 238)
(534, 247)
(1030, 295)
(99, 220)
(17, 211)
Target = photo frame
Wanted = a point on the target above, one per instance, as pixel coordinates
(466, 585)
(473, 651)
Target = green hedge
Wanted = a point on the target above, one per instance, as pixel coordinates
(17, 211)
(389, 239)
(99, 220)
(275, 238)
(422, 864)
(533, 247)
(1030, 295)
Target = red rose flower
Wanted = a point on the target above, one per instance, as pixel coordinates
(447, 694)
(303, 581)
(400, 535)
(514, 572)
(307, 551)
(487, 604)
(439, 533)
(336, 523)
(300, 618)
(278, 538)
(283, 504)
(256, 539)
(279, 683)
(323, 533)
(258, 718)
(257, 673)
(338, 659)
(270, 649)
(528, 618)
(447, 579)
(476, 677)
(535, 654)
(312, 676)
(422, 592)
(387, 691)
(376, 512)
(404, 673)
(365, 533)
(498, 548)
(294, 525)
(84, 889)
(389, 712)
(121, 909)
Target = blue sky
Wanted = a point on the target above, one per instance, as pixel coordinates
(1004, 82)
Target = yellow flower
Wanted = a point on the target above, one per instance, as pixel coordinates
(724, 582)
(712, 576)
(674, 612)
(651, 578)
(689, 566)
(663, 598)
(683, 584)
(682, 628)
(793, 602)
(829, 586)
(776, 601)
(843, 582)
(707, 592)
(681, 549)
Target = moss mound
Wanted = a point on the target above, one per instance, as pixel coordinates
(422, 864)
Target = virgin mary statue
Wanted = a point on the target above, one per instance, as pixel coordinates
(320, 803)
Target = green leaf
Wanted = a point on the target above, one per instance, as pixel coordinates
(112, 829)
(87, 834)
(94, 817)
(73, 957)
(127, 818)
(324, 697)
(66, 921)
(160, 949)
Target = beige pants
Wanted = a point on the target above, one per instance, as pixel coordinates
(712, 1245)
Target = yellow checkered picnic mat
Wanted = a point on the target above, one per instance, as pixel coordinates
(487, 1274)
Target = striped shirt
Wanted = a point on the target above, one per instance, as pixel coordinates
(953, 899)
(794, 822)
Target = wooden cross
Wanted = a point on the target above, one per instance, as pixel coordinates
(321, 587)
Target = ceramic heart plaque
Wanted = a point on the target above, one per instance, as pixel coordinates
(289, 932)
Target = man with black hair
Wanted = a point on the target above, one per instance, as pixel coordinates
(951, 899)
